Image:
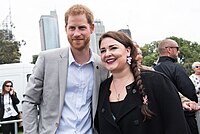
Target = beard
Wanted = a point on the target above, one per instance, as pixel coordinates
(80, 44)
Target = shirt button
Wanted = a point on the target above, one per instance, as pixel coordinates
(134, 91)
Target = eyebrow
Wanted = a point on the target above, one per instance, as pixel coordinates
(110, 46)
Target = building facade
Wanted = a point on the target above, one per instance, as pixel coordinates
(49, 31)
(98, 31)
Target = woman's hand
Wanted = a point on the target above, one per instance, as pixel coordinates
(11, 91)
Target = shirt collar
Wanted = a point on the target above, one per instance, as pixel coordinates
(72, 60)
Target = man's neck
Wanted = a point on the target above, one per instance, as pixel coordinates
(81, 56)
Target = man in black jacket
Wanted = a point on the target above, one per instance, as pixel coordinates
(168, 53)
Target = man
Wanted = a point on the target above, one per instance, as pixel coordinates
(168, 53)
(63, 89)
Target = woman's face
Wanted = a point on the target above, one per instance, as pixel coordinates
(197, 69)
(8, 87)
(139, 57)
(114, 55)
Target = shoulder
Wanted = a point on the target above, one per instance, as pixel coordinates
(192, 75)
(107, 81)
(153, 75)
(147, 68)
(97, 61)
(96, 57)
(55, 53)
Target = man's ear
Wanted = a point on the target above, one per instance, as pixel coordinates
(92, 28)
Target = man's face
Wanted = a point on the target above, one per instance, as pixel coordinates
(173, 50)
(78, 32)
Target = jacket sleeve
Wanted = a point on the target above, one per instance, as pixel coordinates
(185, 85)
(169, 105)
(32, 98)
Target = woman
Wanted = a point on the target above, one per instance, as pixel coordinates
(195, 78)
(134, 102)
(8, 107)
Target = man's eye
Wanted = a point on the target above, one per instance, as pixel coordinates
(82, 28)
(71, 28)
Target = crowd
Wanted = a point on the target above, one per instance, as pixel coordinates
(73, 90)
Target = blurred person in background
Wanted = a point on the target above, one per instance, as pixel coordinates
(168, 54)
(139, 58)
(8, 107)
(195, 78)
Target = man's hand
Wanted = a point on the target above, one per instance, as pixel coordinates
(190, 105)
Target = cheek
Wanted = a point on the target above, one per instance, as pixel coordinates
(102, 57)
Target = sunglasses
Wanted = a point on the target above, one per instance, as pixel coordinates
(196, 66)
(8, 85)
(173, 47)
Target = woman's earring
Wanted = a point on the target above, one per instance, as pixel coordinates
(129, 58)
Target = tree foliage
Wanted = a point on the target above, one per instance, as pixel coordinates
(9, 48)
(189, 53)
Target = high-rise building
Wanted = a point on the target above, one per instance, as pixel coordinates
(49, 31)
(98, 31)
(127, 31)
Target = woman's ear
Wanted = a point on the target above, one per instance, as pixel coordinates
(128, 51)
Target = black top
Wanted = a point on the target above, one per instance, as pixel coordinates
(178, 76)
(115, 106)
(15, 101)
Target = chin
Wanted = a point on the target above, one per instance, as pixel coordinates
(110, 69)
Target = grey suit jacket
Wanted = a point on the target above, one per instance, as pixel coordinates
(44, 96)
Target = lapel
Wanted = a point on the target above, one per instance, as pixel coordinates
(97, 81)
(63, 68)
(130, 102)
(105, 106)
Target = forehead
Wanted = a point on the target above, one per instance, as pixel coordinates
(196, 64)
(173, 44)
(106, 42)
(8, 83)
(77, 20)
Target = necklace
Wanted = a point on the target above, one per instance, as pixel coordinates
(123, 86)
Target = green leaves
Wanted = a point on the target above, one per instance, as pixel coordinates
(189, 52)
(9, 50)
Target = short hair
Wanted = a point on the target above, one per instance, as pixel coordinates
(79, 9)
(194, 64)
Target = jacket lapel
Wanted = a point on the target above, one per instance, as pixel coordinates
(105, 107)
(130, 102)
(95, 93)
(63, 68)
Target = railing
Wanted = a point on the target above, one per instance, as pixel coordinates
(12, 121)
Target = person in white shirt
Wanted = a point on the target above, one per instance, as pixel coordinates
(195, 78)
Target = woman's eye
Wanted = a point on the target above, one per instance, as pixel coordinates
(102, 51)
(113, 48)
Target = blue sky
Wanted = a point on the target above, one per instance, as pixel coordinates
(148, 20)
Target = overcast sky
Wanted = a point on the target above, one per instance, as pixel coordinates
(148, 20)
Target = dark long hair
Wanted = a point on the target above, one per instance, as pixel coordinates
(124, 39)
